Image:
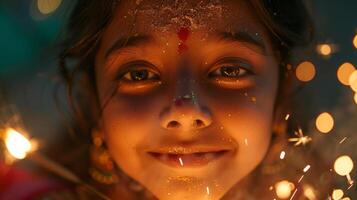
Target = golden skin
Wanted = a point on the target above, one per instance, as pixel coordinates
(236, 112)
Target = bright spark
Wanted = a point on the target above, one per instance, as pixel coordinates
(287, 116)
(181, 162)
(343, 140)
(282, 155)
(292, 196)
(350, 186)
(301, 178)
(207, 190)
(300, 139)
(306, 168)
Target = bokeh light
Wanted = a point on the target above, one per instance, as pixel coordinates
(343, 165)
(353, 81)
(355, 41)
(305, 71)
(48, 6)
(324, 122)
(337, 194)
(283, 189)
(324, 49)
(344, 72)
(309, 192)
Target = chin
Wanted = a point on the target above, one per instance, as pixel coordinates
(187, 194)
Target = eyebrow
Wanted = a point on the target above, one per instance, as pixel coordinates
(129, 41)
(244, 37)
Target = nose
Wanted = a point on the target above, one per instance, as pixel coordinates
(185, 114)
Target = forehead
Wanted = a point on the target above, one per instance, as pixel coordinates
(160, 16)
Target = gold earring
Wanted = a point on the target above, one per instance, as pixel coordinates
(102, 167)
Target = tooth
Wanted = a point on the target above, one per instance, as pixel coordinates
(164, 157)
(209, 156)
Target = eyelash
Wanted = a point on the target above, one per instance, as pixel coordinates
(229, 71)
(241, 70)
(132, 67)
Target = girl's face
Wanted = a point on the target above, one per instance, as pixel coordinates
(188, 90)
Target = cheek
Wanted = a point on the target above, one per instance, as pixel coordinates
(249, 123)
(128, 123)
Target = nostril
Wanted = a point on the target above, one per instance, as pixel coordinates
(173, 124)
(198, 123)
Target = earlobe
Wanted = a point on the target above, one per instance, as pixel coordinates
(102, 167)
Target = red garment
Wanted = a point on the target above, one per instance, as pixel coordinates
(18, 184)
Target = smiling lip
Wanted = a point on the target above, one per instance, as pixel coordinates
(183, 157)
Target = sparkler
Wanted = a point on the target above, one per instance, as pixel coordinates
(21, 147)
(301, 139)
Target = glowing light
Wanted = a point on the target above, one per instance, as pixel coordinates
(337, 194)
(306, 168)
(300, 139)
(282, 155)
(48, 6)
(353, 81)
(283, 189)
(17, 145)
(324, 49)
(355, 41)
(344, 72)
(343, 165)
(355, 97)
(207, 190)
(324, 122)
(305, 71)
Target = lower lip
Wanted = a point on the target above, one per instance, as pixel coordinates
(188, 160)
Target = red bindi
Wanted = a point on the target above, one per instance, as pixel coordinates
(183, 34)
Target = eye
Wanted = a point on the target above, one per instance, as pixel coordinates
(230, 71)
(136, 75)
(138, 72)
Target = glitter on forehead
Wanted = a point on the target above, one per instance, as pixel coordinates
(181, 13)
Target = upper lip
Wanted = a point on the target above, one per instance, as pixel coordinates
(188, 149)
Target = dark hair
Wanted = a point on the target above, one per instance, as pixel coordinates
(288, 23)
